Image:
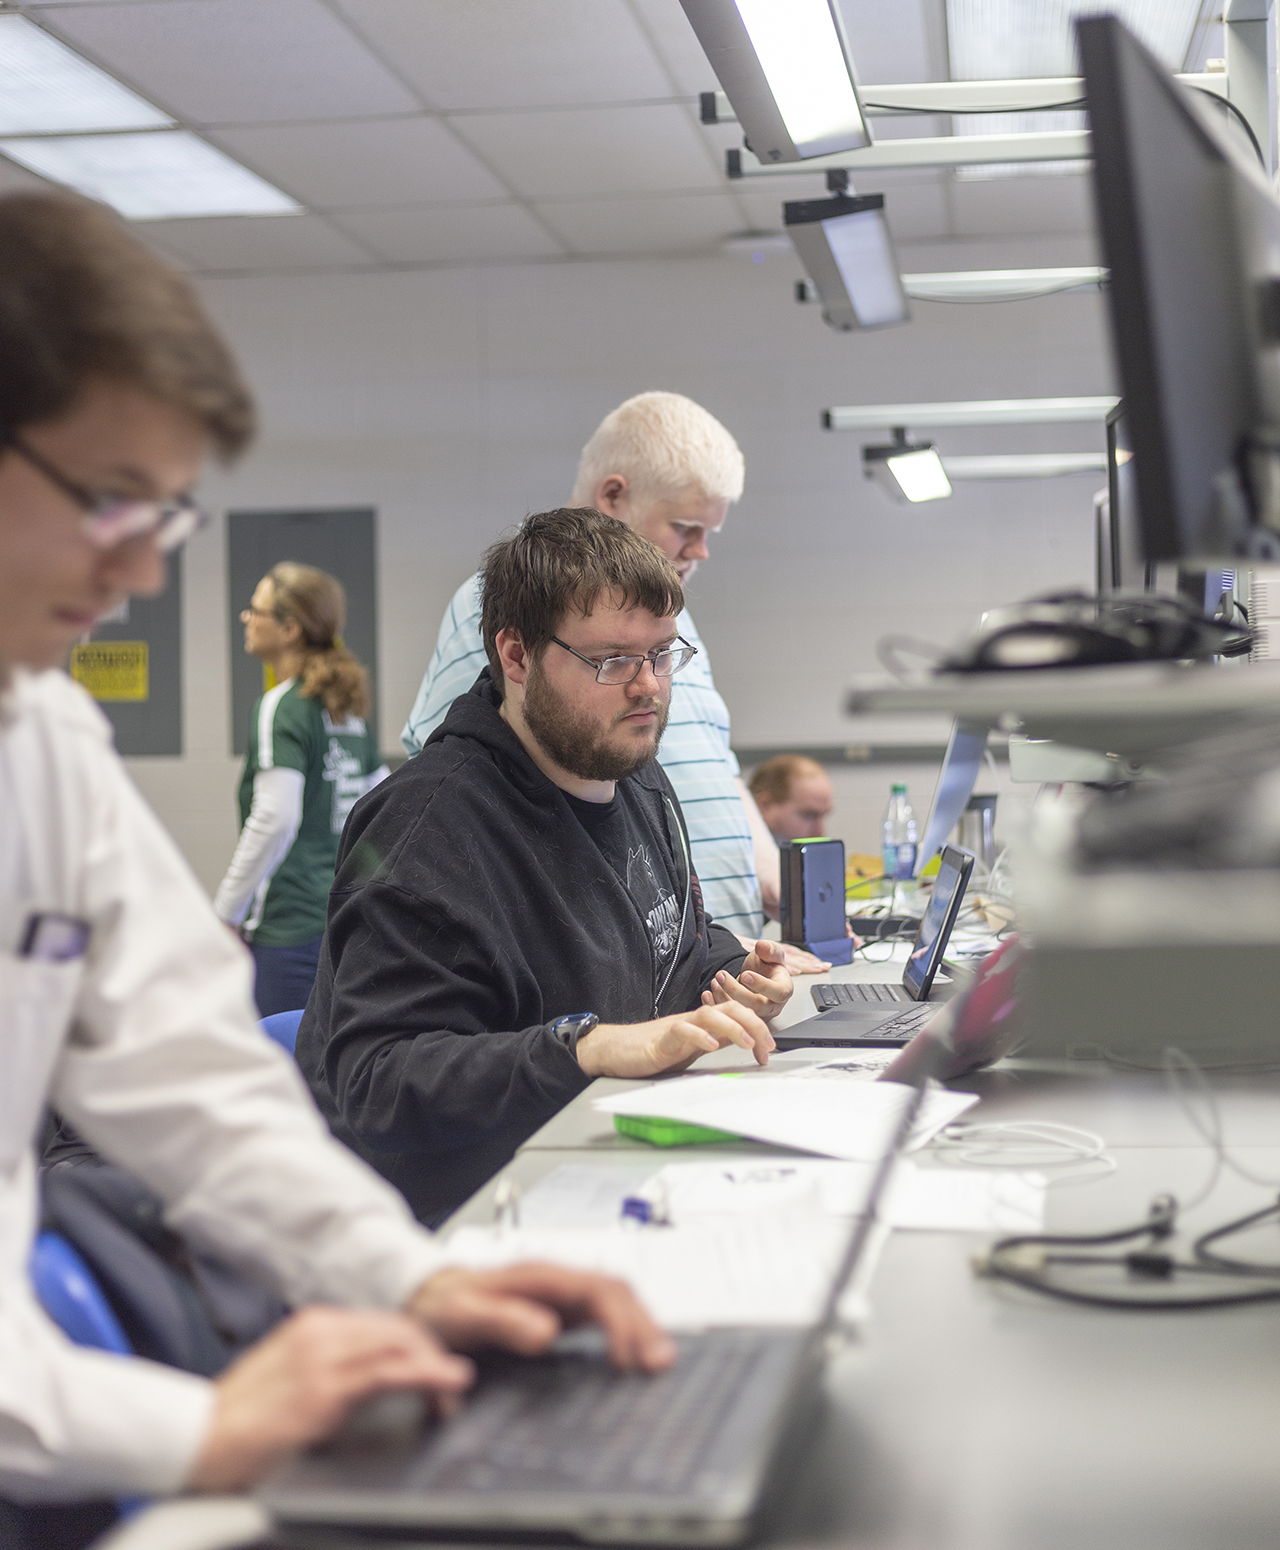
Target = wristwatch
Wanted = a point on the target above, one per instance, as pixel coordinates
(571, 1028)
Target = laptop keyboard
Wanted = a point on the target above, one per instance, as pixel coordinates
(570, 1421)
(839, 994)
(894, 1030)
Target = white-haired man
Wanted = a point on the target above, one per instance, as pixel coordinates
(670, 471)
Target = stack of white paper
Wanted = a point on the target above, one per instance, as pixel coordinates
(761, 1268)
(828, 1115)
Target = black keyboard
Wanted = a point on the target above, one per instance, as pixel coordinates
(570, 1420)
(839, 994)
(893, 1031)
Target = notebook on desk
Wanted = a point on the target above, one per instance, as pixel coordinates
(850, 1015)
(564, 1446)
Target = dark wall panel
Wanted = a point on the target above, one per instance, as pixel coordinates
(344, 543)
(139, 685)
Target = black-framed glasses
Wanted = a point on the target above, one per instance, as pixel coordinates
(621, 670)
(110, 519)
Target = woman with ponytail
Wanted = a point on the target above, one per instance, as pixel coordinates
(311, 756)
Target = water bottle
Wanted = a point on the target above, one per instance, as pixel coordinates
(898, 837)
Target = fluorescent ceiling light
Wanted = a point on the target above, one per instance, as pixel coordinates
(785, 67)
(991, 411)
(845, 246)
(150, 176)
(46, 88)
(1025, 465)
(920, 475)
(1001, 284)
(907, 471)
(1009, 39)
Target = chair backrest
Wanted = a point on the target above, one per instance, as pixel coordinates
(283, 1028)
(67, 1291)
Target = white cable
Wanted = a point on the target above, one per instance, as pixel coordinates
(1028, 1144)
(1176, 1064)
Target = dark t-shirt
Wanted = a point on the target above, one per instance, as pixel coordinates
(639, 857)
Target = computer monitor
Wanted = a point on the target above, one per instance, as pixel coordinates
(1191, 235)
(966, 749)
(1123, 562)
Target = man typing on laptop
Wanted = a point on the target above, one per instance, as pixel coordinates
(515, 911)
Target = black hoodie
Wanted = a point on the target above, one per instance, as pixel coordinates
(469, 900)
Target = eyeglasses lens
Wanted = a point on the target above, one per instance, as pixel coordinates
(172, 524)
(621, 670)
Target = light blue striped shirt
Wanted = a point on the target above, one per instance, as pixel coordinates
(695, 753)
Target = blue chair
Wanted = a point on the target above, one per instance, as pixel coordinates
(68, 1292)
(283, 1028)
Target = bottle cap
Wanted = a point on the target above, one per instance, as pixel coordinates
(896, 787)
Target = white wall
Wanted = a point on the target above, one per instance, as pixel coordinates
(455, 401)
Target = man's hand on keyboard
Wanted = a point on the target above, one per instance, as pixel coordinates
(302, 1380)
(763, 987)
(524, 1308)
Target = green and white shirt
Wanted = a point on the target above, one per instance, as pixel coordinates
(303, 773)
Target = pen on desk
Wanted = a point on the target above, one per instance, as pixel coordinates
(647, 1213)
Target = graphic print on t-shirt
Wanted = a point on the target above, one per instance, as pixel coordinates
(655, 901)
(343, 767)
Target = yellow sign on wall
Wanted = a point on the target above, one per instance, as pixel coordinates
(113, 669)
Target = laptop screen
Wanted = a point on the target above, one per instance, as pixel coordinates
(935, 928)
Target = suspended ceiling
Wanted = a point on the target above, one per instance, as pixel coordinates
(443, 132)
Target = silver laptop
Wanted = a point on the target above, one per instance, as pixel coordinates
(852, 1015)
(564, 1445)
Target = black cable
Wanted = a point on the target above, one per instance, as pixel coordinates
(1223, 1262)
(1148, 1263)
(1233, 108)
(1034, 1283)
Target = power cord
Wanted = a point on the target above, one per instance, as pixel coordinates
(1029, 1260)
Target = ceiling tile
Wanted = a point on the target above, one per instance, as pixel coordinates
(917, 210)
(511, 53)
(406, 161)
(1022, 206)
(256, 242)
(677, 44)
(236, 61)
(675, 225)
(452, 236)
(593, 151)
(889, 43)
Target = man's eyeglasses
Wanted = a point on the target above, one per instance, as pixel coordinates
(621, 670)
(110, 519)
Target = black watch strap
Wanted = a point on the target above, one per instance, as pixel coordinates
(571, 1028)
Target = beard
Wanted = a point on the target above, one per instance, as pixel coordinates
(577, 742)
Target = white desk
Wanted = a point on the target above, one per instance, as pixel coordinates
(969, 1415)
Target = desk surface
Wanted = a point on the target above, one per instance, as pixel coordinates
(973, 1416)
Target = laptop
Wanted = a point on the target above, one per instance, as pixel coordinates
(563, 1445)
(881, 1016)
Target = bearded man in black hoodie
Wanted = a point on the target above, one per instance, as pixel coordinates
(514, 910)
